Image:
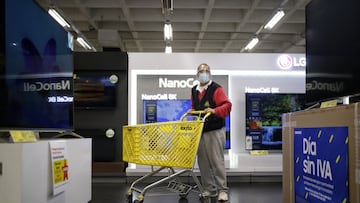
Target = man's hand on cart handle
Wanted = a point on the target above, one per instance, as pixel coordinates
(202, 113)
(205, 111)
(209, 110)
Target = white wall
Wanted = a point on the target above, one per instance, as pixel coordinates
(251, 70)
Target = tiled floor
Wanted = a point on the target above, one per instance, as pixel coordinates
(241, 192)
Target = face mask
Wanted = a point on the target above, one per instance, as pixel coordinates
(204, 77)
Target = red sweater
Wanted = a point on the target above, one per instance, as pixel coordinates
(223, 105)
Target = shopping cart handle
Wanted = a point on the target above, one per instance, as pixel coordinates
(197, 113)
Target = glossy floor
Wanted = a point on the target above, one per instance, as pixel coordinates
(244, 192)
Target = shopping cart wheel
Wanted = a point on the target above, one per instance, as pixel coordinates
(182, 196)
(128, 197)
(183, 200)
(205, 199)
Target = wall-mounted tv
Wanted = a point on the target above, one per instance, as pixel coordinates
(332, 49)
(94, 90)
(36, 84)
(172, 110)
(263, 118)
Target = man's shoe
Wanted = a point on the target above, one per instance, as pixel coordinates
(207, 194)
(223, 196)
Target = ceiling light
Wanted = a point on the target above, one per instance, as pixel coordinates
(83, 43)
(252, 43)
(168, 49)
(274, 20)
(58, 18)
(168, 35)
(167, 6)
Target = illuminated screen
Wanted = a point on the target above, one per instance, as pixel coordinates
(264, 114)
(94, 91)
(172, 110)
(37, 84)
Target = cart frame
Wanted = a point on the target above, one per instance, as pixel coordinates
(166, 149)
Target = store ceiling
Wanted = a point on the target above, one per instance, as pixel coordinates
(212, 26)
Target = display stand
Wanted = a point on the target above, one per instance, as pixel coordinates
(27, 172)
(323, 159)
(68, 133)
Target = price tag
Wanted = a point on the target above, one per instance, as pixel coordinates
(327, 104)
(259, 152)
(23, 136)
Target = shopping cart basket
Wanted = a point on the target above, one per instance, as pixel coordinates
(168, 145)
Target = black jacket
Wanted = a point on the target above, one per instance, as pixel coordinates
(213, 122)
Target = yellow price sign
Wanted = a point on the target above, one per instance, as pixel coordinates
(23, 136)
(60, 168)
(259, 152)
(327, 104)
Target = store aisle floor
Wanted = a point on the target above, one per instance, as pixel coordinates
(244, 192)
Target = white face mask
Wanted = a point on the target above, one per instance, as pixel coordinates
(203, 77)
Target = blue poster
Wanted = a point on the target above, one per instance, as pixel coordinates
(321, 165)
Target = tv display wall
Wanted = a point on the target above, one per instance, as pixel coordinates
(36, 81)
(263, 118)
(172, 110)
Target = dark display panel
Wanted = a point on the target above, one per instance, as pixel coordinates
(263, 117)
(172, 110)
(332, 49)
(94, 91)
(2, 52)
(36, 81)
(103, 147)
(2, 36)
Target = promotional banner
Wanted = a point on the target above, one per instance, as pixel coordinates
(321, 165)
(59, 165)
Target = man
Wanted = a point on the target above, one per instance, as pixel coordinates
(210, 97)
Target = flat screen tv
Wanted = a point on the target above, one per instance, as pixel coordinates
(36, 69)
(2, 46)
(94, 91)
(263, 117)
(172, 110)
(332, 49)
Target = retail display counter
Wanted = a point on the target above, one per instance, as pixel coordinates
(26, 172)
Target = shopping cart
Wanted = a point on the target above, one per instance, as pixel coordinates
(168, 145)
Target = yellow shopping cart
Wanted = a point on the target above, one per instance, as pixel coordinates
(168, 145)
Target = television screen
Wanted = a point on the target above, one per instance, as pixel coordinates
(263, 118)
(36, 81)
(172, 110)
(94, 91)
(2, 36)
(2, 50)
(332, 49)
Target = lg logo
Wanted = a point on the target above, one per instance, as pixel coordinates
(286, 62)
